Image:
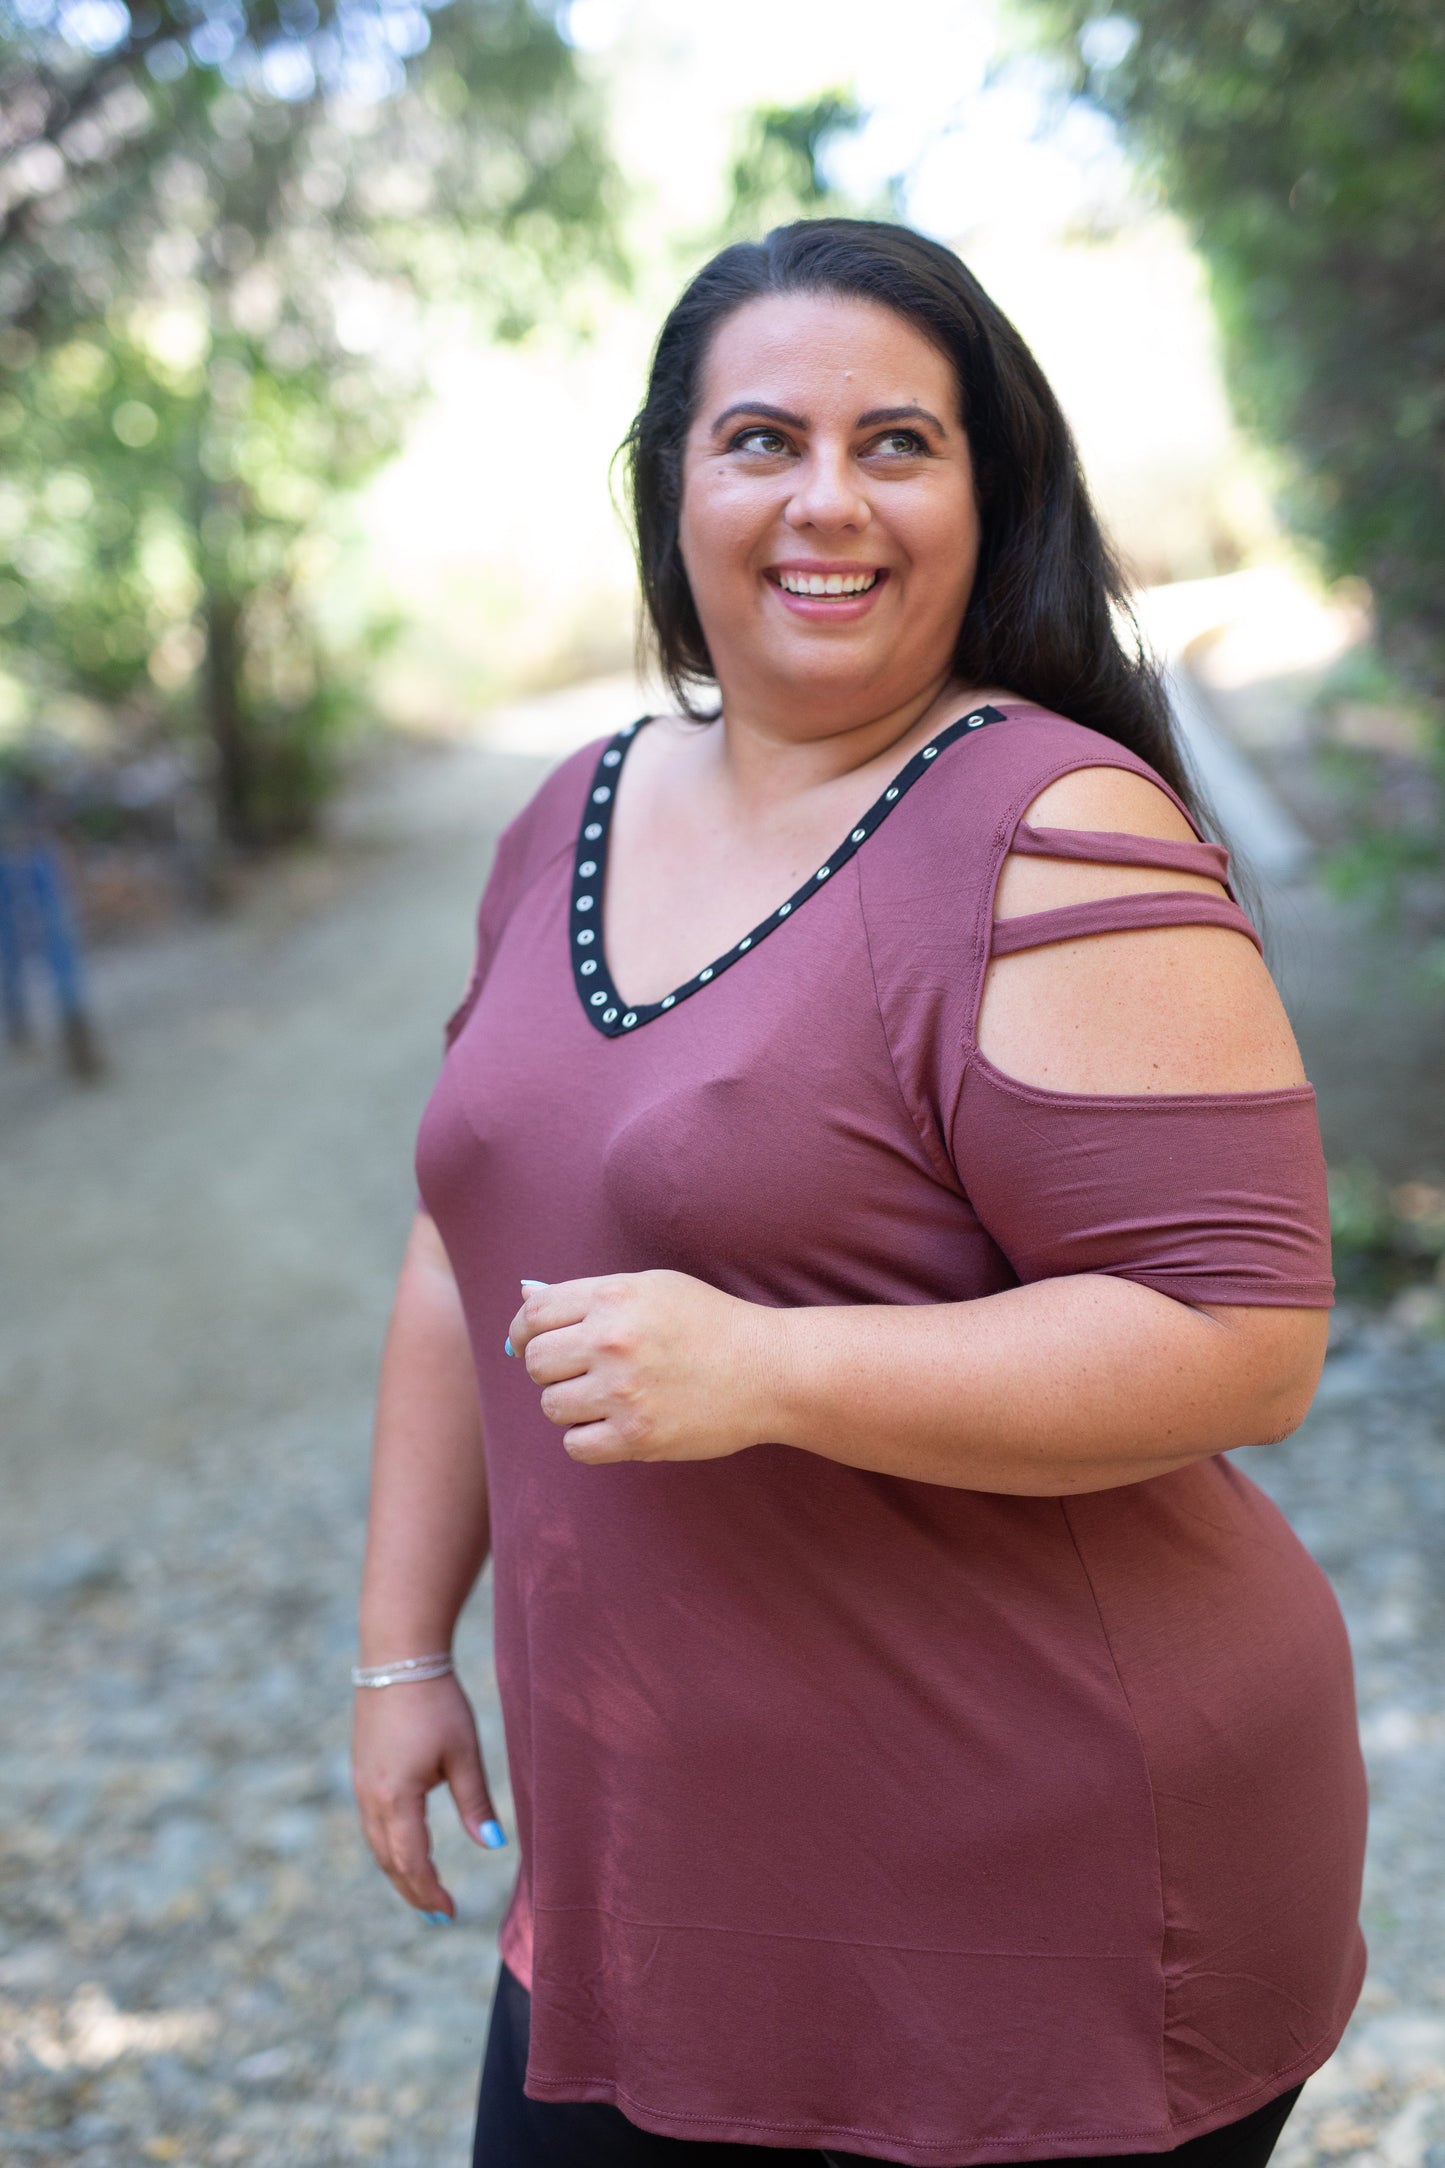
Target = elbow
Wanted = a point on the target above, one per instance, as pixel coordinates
(1290, 1355)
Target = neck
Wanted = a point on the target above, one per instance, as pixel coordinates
(767, 752)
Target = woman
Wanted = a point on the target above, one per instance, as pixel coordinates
(925, 1747)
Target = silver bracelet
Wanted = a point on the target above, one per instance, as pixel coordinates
(408, 1670)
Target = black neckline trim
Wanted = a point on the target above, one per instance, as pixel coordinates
(595, 988)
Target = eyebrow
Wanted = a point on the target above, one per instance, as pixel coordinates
(909, 413)
(870, 420)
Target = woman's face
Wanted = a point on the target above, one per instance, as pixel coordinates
(828, 523)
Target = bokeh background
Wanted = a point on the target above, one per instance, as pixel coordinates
(320, 321)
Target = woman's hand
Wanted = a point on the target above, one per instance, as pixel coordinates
(406, 1740)
(646, 1366)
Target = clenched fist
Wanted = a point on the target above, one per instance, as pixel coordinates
(647, 1366)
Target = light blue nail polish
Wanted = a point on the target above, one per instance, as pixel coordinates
(492, 1835)
(507, 1347)
(437, 1919)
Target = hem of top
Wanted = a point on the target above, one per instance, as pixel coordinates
(517, 1960)
(1264, 1095)
(949, 2152)
(1230, 1294)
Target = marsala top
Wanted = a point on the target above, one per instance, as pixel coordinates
(856, 1812)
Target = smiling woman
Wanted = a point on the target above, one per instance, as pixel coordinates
(926, 1746)
(762, 484)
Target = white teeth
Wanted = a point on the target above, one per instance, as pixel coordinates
(827, 583)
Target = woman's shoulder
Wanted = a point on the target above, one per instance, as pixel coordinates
(1030, 767)
(556, 803)
(1034, 760)
(549, 822)
(1031, 744)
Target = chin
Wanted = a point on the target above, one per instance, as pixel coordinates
(827, 654)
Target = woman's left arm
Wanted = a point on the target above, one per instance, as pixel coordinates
(1071, 1384)
(1079, 1381)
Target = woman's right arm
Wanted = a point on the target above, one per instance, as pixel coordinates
(427, 1539)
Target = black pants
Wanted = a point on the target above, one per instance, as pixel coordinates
(515, 2132)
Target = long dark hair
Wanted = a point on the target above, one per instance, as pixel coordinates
(1048, 616)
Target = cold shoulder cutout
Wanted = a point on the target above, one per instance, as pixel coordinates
(853, 1812)
(1095, 1008)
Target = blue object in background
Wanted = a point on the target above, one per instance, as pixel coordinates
(36, 919)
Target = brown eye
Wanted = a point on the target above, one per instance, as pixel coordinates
(768, 442)
(900, 444)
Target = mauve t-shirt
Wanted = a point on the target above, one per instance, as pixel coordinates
(923, 1823)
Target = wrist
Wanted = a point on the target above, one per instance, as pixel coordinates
(768, 1365)
(394, 1638)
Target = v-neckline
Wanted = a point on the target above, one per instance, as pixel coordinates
(596, 987)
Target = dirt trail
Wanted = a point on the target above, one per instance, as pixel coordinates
(198, 1963)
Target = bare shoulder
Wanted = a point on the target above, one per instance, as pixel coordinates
(1113, 799)
(1161, 1009)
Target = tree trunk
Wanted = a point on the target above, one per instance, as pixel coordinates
(226, 717)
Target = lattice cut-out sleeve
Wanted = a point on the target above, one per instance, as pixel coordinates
(1129, 911)
(1206, 1196)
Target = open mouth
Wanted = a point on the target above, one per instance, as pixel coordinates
(828, 585)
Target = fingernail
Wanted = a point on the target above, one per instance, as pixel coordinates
(507, 1347)
(534, 1283)
(492, 1835)
(437, 1919)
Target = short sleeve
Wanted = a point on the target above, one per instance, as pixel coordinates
(1208, 1198)
(1215, 1198)
(545, 826)
(498, 897)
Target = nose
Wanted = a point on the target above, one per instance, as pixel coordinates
(826, 494)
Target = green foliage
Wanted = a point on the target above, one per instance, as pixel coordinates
(778, 172)
(1384, 1239)
(1390, 800)
(1303, 142)
(221, 225)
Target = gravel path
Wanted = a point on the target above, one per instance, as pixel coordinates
(198, 1963)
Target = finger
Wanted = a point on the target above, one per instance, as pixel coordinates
(373, 1823)
(377, 1827)
(577, 1401)
(556, 1353)
(467, 1782)
(409, 1858)
(598, 1443)
(544, 1309)
(373, 1830)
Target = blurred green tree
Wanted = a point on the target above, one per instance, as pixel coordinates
(779, 169)
(223, 225)
(1303, 143)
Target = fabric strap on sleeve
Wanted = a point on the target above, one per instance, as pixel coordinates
(1124, 913)
(1105, 847)
(1119, 914)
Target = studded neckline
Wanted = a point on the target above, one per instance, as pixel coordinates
(596, 989)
